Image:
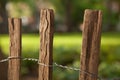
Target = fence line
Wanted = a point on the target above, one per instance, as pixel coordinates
(54, 65)
(89, 54)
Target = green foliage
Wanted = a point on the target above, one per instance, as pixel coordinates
(77, 8)
(111, 70)
(67, 52)
(61, 74)
(76, 11)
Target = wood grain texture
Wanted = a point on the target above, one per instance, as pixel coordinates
(15, 48)
(91, 44)
(46, 43)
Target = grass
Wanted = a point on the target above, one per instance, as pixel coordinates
(30, 42)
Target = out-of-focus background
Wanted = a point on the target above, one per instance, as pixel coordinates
(68, 37)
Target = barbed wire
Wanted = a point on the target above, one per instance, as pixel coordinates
(53, 65)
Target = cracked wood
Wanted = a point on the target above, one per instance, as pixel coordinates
(15, 48)
(91, 44)
(46, 43)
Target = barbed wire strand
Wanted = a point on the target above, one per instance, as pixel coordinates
(54, 65)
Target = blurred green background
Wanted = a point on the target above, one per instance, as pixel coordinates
(67, 38)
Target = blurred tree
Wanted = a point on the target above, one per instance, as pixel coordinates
(31, 3)
(63, 9)
(4, 4)
(112, 14)
(73, 10)
(3, 16)
(70, 12)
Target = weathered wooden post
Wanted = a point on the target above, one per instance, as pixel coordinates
(91, 44)
(46, 44)
(15, 48)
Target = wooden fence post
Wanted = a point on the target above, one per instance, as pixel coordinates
(91, 44)
(15, 48)
(46, 44)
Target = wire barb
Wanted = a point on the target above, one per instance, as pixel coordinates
(54, 65)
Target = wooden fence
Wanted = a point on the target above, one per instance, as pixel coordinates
(90, 45)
